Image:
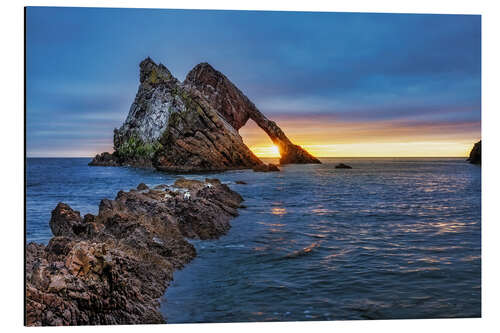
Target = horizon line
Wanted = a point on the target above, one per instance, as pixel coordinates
(279, 157)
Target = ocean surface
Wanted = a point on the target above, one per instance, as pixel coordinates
(391, 238)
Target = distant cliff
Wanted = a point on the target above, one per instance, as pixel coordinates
(191, 126)
(475, 154)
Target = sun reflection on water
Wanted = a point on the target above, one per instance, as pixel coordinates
(280, 211)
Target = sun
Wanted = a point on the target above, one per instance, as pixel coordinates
(266, 151)
(275, 150)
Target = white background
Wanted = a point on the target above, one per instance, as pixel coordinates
(12, 162)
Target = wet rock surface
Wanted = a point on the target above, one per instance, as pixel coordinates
(266, 168)
(475, 154)
(114, 159)
(191, 126)
(112, 268)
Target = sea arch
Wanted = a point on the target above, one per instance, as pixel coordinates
(237, 109)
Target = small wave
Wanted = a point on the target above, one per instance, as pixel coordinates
(470, 258)
(338, 254)
(304, 251)
(420, 269)
(316, 235)
(235, 246)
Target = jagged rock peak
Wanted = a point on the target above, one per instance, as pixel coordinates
(222, 94)
(154, 74)
(204, 66)
(136, 141)
(204, 72)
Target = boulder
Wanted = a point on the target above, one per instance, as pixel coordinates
(66, 221)
(213, 181)
(343, 166)
(188, 183)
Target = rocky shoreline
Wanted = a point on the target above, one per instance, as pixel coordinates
(112, 268)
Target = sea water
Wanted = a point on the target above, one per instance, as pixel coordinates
(390, 238)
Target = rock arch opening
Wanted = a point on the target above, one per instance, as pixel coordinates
(258, 141)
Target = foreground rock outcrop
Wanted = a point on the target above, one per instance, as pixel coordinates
(475, 154)
(191, 126)
(112, 268)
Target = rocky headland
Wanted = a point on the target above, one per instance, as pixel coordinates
(112, 268)
(192, 126)
(475, 154)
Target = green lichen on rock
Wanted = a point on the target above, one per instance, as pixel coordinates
(154, 76)
(134, 147)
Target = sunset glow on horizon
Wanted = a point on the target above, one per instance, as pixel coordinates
(324, 138)
(396, 149)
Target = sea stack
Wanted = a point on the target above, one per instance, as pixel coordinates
(192, 126)
(475, 154)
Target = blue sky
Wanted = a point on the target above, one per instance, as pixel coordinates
(347, 70)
